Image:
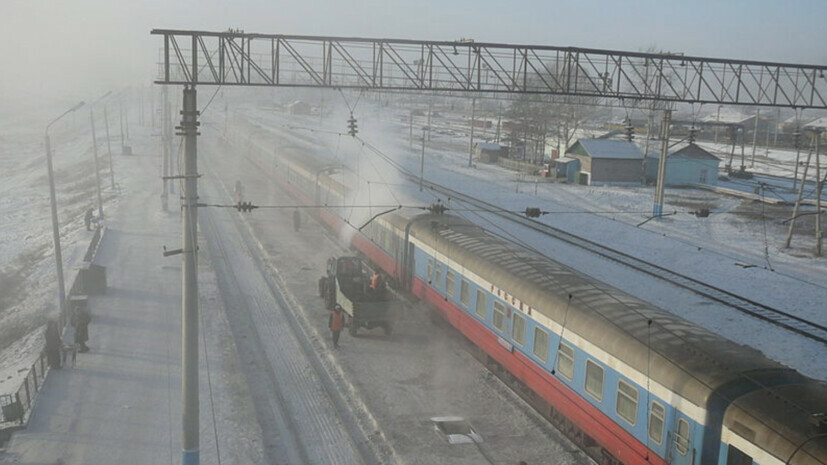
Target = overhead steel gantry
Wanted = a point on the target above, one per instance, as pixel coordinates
(235, 58)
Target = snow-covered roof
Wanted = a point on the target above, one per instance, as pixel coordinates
(564, 160)
(819, 123)
(693, 151)
(617, 149)
(727, 116)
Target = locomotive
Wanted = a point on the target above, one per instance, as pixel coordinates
(638, 383)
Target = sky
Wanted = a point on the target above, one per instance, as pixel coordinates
(59, 52)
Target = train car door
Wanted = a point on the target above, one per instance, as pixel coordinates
(681, 451)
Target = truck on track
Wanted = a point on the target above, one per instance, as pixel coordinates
(348, 283)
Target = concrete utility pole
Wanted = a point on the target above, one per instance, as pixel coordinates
(819, 184)
(123, 143)
(165, 134)
(755, 137)
(471, 143)
(410, 137)
(658, 208)
(189, 363)
(422, 159)
(61, 288)
(109, 148)
(97, 167)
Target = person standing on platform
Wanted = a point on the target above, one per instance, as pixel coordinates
(336, 323)
(88, 217)
(81, 324)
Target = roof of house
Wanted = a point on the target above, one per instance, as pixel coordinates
(603, 148)
(819, 123)
(693, 151)
(564, 160)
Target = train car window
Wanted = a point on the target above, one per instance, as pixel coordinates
(430, 270)
(682, 437)
(656, 422)
(499, 315)
(540, 344)
(449, 283)
(480, 307)
(627, 396)
(736, 457)
(464, 293)
(594, 380)
(437, 274)
(565, 361)
(518, 329)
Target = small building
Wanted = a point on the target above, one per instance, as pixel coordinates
(684, 167)
(487, 152)
(298, 108)
(566, 167)
(607, 161)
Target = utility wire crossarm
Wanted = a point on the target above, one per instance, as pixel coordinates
(235, 58)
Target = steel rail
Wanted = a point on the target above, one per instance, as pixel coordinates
(786, 320)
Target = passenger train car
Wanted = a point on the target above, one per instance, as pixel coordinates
(643, 385)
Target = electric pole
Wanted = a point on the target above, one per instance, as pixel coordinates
(189, 362)
(471, 143)
(658, 208)
(422, 158)
(819, 184)
(97, 167)
(109, 147)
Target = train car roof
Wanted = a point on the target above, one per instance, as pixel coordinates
(676, 353)
(783, 419)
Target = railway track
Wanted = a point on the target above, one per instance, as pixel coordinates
(304, 417)
(786, 320)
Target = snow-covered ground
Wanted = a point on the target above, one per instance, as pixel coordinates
(408, 385)
(739, 247)
(28, 293)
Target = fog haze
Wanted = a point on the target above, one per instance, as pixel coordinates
(61, 52)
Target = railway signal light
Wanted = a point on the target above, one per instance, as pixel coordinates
(437, 208)
(245, 206)
(351, 126)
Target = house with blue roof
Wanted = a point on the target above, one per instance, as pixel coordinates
(604, 161)
(684, 167)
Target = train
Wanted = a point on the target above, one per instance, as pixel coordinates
(630, 382)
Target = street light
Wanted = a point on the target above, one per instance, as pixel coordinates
(95, 152)
(61, 290)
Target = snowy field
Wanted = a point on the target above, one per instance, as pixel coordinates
(739, 247)
(28, 293)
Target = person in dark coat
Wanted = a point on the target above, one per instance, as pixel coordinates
(81, 324)
(53, 343)
(297, 219)
(87, 219)
(336, 323)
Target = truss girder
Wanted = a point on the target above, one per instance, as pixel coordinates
(239, 59)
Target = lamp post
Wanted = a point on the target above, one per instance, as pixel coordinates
(95, 152)
(61, 290)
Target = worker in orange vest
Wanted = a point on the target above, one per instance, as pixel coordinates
(336, 323)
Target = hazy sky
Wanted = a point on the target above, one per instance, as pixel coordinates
(71, 50)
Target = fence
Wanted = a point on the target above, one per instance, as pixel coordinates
(14, 408)
(520, 166)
